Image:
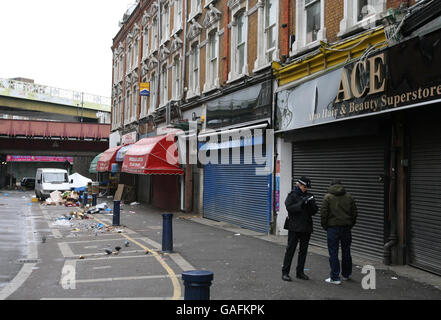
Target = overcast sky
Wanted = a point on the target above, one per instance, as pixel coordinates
(60, 43)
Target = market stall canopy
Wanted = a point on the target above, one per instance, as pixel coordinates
(154, 155)
(122, 153)
(105, 162)
(92, 168)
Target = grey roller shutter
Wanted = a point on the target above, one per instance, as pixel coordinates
(359, 163)
(234, 193)
(424, 235)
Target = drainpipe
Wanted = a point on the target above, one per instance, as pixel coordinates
(184, 57)
(393, 238)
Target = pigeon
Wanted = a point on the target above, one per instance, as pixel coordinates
(117, 248)
(43, 239)
(126, 243)
(108, 251)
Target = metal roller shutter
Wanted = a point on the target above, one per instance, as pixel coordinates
(359, 163)
(233, 193)
(425, 197)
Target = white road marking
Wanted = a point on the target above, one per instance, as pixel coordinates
(166, 276)
(65, 250)
(181, 262)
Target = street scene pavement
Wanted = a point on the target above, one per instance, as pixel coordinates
(45, 256)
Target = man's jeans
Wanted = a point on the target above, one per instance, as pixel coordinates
(337, 235)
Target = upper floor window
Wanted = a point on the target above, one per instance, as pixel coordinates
(163, 97)
(310, 24)
(177, 23)
(212, 60)
(312, 8)
(241, 39)
(195, 8)
(135, 54)
(361, 14)
(194, 69)
(270, 29)
(176, 77)
(154, 44)
(145, 42)
(153, 91)
(129, 59)
(127, 106)
(134, 106)
(165, 22)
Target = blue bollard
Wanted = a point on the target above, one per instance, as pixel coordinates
(197, 284)
(116, 205)
(85, 198)
(167, 232)
(94, 198)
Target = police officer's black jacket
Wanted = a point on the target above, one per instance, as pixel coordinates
(300, 211)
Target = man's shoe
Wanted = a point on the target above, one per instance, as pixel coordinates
(302, 276)
(345, 278)
(329, 280)
(286, 277)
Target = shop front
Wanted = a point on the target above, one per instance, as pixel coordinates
(237, 180)
(157, 157)
(372, 123)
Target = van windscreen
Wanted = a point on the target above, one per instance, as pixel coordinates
(54, 177)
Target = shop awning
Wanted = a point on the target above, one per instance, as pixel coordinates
(92, 168)
(122, 152)
(155, 155)
(105, 162)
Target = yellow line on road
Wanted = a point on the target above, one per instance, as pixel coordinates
(173, 277)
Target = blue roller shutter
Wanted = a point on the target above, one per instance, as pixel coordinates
(235, 194)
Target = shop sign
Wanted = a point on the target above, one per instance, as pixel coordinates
(398, 77)
(128, 138)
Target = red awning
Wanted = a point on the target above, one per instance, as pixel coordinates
(105, 162)
(155, 155)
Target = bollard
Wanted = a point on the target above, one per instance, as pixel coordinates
(167, 232)
(94, 197)
(85, 198)
(116, 205)
(197, 284)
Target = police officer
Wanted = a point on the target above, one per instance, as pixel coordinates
(301, 207)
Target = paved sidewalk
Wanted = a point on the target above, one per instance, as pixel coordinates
(247, 265)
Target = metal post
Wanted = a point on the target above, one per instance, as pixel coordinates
(85, 198)
(167, 232)
(94, 197)
(197, 284)
(116, 205)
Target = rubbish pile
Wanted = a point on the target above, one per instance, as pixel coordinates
(68, 198)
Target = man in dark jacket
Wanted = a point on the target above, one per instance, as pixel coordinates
(301, 206)
(338, 216)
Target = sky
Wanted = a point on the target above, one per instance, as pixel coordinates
(60, 43)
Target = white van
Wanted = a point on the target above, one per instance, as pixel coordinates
(49, 180)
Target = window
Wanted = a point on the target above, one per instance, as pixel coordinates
(154, 34)
(153, 91)
(135, 54)
(127, 105)
(361, 13)
(194, 69)
(120, 67)
(212, 60)
(118, 113)
(133, 113)
(178, 15)
(241, 39)
(165, 23)
(310, 24)
(128, 59)
(176, 77)
(195, 8)
(312, 8)
(270, 29)
(145, 42)
(163, 98)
